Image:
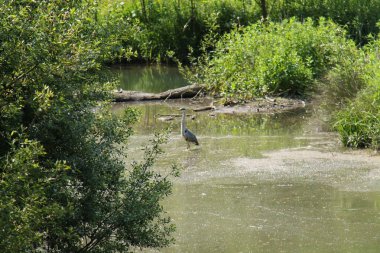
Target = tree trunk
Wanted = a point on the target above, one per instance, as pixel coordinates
(192, 6)
(143, 9)
(264, 11)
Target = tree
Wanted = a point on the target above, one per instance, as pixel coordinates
(263, 7)
(63, 182)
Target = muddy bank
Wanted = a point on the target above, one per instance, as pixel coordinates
(198, 101)
(261, 105)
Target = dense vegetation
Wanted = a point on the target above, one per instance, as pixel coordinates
(64, 186)
(273, 58)
(293, 58)
(154, 28)
(358, 122)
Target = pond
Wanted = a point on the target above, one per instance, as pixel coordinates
(150, 78)
(264, 183)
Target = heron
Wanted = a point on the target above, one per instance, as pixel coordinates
(189, 136)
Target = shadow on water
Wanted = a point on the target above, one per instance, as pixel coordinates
(264, 183)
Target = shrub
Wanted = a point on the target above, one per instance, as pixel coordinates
(63, 180)
(275, 58)
(343, 81)
(359, 123)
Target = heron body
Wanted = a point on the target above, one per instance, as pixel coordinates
(186, 133)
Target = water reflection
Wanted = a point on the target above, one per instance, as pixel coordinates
(265, 183)
(155, 78)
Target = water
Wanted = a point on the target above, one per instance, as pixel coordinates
(156, 78)
(263, 183)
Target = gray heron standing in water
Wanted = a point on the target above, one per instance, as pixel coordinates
(189, 136)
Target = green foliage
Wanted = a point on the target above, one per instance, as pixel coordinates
(24, 202)
(343, 81)
(63, 183)
(359, 122)
(358, 17)
(151, 28)
(274, 58)
(142, 209)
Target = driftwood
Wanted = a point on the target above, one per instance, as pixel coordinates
(170, 115)
(167, 118)
(183, 92)
(204, 108)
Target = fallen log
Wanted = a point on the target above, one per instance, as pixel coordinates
(204, 108)
(182, 92)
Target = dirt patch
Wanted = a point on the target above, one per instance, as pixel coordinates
(263, 105)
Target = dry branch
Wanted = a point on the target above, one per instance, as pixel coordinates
(182, 92)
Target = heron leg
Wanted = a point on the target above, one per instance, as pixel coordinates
(188, 145)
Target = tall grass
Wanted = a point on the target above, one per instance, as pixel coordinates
(358, 123)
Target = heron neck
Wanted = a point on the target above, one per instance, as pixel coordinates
(183, 122)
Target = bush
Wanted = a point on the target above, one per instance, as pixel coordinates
(274, 59)
(64, 186)
(359, 123)
(343, 81)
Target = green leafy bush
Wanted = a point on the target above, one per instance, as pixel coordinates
(64, 186)
(345, 80)
(359, 122)
(274, 59)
